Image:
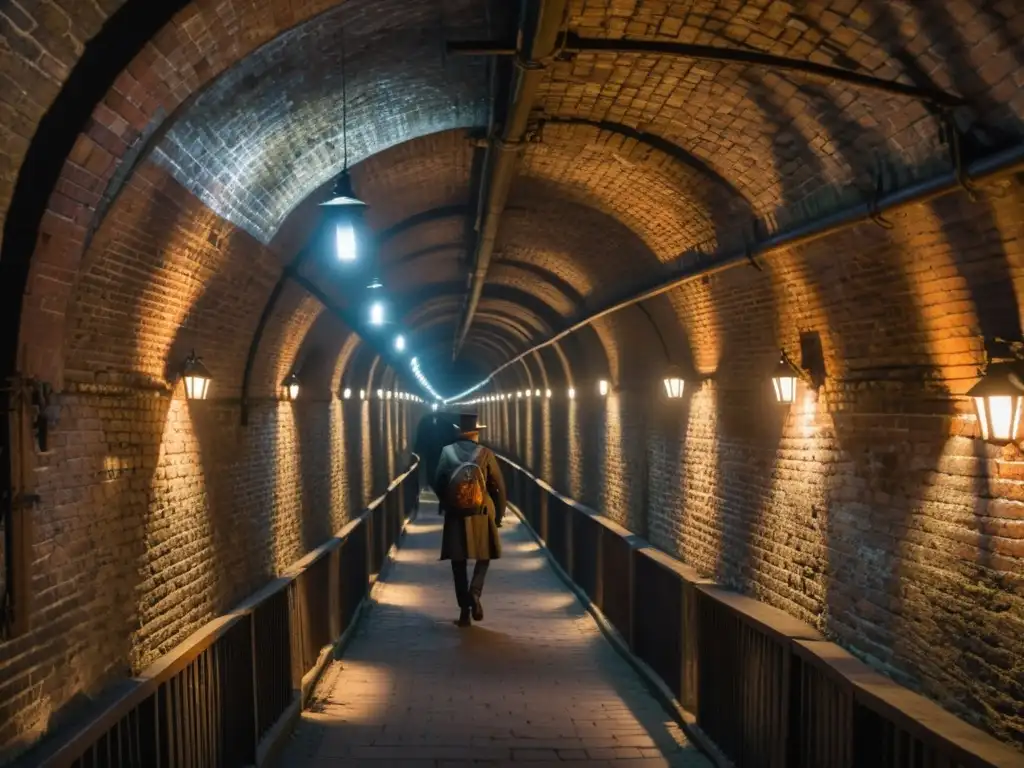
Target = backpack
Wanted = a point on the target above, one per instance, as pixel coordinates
(465, 494)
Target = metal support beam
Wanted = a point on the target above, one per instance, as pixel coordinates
(539, 26)
(1001, 164)
(573, 44)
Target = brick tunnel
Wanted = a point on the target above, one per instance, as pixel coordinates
(732, 285)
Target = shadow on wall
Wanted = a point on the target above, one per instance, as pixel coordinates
(318, 454)
(238, 473)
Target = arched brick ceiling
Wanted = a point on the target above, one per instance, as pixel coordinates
(251, 101)
(785, 141)
(668, 205)
(269, 131)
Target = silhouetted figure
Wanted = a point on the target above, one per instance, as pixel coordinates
(472, 498)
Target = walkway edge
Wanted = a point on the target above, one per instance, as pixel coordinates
(271, 745)
(658, 688)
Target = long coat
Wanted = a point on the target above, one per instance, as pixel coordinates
(474, 537)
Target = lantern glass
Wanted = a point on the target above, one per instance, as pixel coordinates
(674, 387)
(999, 416)
(998, 402)
(784, 381)
(196, 387)
(345, 242)
(197, 378)
(785, 387)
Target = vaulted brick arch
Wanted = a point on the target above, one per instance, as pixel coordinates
(161, 167)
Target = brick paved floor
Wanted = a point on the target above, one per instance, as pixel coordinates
(535, 682)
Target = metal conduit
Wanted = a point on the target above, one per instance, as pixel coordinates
(540, 35)
(984, 170)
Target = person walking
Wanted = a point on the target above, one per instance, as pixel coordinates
(471, 492)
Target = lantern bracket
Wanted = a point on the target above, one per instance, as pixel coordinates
(801, 373)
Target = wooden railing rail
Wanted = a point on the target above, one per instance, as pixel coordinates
(765, 689)
(225, 695)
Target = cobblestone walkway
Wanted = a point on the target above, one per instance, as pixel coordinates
(535, 682)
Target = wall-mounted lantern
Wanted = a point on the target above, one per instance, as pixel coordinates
(572, 393)
(784, 379)
(547, 393)
(602, 387)
(290, 387)
(674, 383)
(347, 393)
(519, 395)
(362, 394)
(998, 398)
(387, 394)
(380, 394)
(197, 378)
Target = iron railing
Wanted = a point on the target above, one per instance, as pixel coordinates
(220, 697)
(766, 689)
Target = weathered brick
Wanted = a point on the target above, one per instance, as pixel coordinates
(870, 510)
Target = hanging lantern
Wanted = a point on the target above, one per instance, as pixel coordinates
(197, 378)
(784, 381)
(674, 383)
(344, 213)
(998, 399)
(290, 387)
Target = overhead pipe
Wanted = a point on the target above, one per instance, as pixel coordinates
(540, 24)
(984, 170)
(572, 44)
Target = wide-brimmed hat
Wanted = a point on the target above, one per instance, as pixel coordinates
(467, 423)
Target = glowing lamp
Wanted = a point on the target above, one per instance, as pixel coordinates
(399, 343)
(602, 387)
(674, 383)
(344, 210)
(377, 314)
(362, 394)
(572, 393)
(998, 399)
(347, 394)
(197, 378)
(290, 387)
(784, 381)
(380, 394)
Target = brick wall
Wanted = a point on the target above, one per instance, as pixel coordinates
(869, 509)
(158, 515)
